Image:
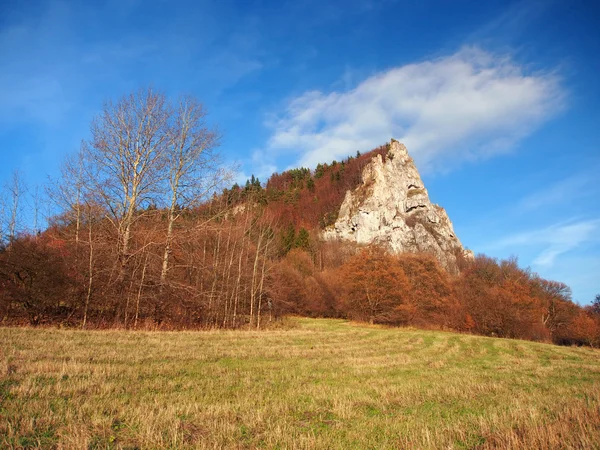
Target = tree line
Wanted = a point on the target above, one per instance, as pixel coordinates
(146, 236)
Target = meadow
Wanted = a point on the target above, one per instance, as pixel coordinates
(314, 383)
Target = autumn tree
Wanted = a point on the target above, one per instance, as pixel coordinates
(286, 284)
(374, 286)
(429, 298)
(556, 302)
(498, 297)
(581, 330)
(34, 280)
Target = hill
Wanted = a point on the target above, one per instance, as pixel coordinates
(375, 198)
(357, 239)
(318, 384)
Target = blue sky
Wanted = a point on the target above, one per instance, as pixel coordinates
(498, 101)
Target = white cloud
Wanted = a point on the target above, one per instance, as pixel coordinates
(554, 240)
(470, 105)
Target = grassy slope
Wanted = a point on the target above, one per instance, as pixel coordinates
(324, 384)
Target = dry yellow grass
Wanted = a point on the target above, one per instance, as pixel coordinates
(323, 384)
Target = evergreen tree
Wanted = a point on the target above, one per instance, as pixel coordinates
(288, 239)
(302, 240)
(319, 171)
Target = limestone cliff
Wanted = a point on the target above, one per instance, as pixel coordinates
(392, 208)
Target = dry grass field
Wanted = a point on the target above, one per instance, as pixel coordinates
(319, 384)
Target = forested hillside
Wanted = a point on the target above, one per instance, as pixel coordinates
(305, 198)
(148, 236)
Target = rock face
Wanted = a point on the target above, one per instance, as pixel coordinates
(392, 208)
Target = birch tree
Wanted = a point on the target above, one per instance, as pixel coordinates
(126, 152)
(192, 165)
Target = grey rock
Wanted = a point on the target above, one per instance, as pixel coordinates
(392, 208)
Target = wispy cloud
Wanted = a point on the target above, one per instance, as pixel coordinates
(516, 19)
(564, 191)
(554, 240)
(469, 105)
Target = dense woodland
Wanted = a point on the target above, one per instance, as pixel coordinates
(145, 235)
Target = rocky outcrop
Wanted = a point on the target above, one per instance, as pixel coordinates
(392, 208)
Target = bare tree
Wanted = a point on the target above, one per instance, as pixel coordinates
(92, 214)
(192, 164)
(149, 164)
(16, 189)
(69, 192)
(126, 152)
(36, 205)
(266, 236)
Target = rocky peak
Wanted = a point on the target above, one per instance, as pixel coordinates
(392, 208)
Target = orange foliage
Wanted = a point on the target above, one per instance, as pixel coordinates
(375, 288)
(296, 287)
(429, 296)
(469, 323)
(584, 329)
(34, 281)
